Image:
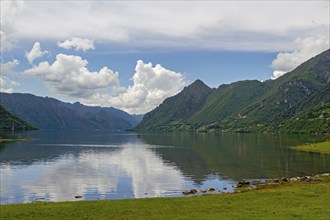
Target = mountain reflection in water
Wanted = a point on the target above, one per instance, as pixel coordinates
(57, 166)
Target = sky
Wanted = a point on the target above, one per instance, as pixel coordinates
(132, 55)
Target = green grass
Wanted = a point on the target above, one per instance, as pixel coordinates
(14, 139)
(323, 147)
(287, 201)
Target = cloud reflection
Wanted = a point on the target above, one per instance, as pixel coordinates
(93, 171)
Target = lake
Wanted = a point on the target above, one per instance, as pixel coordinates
(59, 166)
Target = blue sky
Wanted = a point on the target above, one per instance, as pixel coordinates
(99, 53)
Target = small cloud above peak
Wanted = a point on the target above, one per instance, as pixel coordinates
(77, 44)
(35, 52)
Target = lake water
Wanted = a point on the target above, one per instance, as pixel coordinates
(58, 166)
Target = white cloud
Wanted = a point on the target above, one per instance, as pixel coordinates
(151, 86)
(261, 25)
(35, 52)
(6, 43)
(7, 71)
(77, 44)
(305, 48)
(8, 12)
(69, 75)
(7, 85)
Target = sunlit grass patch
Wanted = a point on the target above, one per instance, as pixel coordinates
(323, 147)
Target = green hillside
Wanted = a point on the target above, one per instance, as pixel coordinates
(227, 101)
(175, 110)
(313, 115)
(297, 102)
(8, 121)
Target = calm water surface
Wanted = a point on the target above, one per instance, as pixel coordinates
(57, 166)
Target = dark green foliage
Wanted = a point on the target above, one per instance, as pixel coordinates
(297, 102)
(9, 121)
(313, 120)
(52, 114)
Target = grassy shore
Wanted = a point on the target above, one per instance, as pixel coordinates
(299, 200)
(14, 139)
(323, 147)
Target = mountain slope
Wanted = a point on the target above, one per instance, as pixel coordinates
(313, 115)
(270, 106)
(9, 121)
(227, 101)
(288, 92)
(282, 99)
(176, 109)
(49, 113)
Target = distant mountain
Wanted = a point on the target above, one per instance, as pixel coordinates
(297, 102)
(104, 116)
(177, 109)
(138, 117)
(49, 113)
(9, 121)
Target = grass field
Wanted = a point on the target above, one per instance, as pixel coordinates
(323, 147)
(286, 201)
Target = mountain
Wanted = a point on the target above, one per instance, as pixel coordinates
(177, 109)
(297, 102)
(9, 121)
(228, 100)
(49, 113)
(104, 116)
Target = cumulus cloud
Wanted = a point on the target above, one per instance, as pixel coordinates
(35, 52)
(151, 86)
(77, 44)
(305, 48)
(7, 85)
(7, 71)
(69, 75)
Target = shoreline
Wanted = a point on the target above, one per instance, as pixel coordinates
(285, 200)
(242, 186)
(15, 139)
(322, 147)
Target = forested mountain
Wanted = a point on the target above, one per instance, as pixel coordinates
(177, 109)
(297, 102)
(9, 121)
(51, 114)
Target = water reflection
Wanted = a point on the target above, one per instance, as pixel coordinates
(60, 166)
(135, 170)
(240, 156)
(59, 172)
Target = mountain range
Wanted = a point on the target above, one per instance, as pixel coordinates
(51, 114)
(297, 102)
